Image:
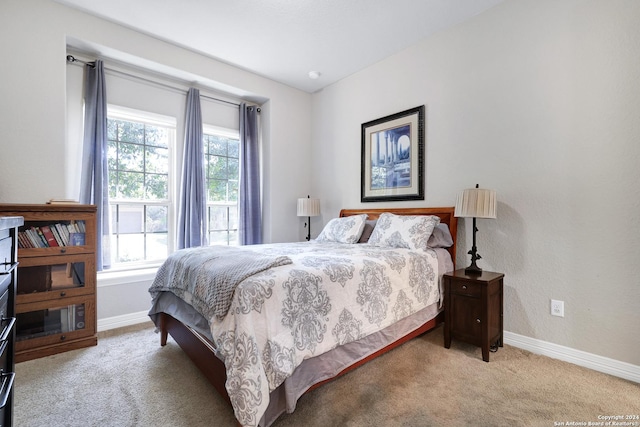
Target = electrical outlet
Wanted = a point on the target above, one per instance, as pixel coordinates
(557, 308)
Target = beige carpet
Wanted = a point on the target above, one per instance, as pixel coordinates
(129, 380)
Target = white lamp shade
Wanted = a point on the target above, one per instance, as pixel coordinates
(476, 203)
(308, 207)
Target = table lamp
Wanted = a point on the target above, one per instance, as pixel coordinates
(475, 203)
(308, 207)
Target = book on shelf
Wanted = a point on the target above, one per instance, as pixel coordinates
(49, 237)
(23, 240)
(76, 239)
(65, 319)
(26, 239)
(34, 236)
(43, 240)
(78, 226)
(53, 235)
(79, 317)
(64, 233)
(57, 235)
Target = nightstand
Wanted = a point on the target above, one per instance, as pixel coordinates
(473, 309)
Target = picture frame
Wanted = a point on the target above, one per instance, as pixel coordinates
(393, 157)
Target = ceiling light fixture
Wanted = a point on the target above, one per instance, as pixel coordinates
(314, 74)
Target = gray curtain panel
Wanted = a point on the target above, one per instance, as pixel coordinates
(192, 209)
(250, 227)
(94, 181)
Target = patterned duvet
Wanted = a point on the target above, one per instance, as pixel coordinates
(330, 294)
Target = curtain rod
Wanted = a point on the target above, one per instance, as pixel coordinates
(72, 59)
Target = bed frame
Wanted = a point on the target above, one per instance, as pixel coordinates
(201, 351)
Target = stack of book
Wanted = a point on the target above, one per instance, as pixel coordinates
(53, 235)
(42, 323)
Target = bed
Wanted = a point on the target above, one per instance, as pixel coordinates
(346, 321)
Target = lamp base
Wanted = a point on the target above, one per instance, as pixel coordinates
(473, 270)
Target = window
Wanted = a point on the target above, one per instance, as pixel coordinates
(140, 147)
(141, 174)
(222, 173)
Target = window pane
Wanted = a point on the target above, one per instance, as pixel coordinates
(130, 185)
(156, 136)
(130, 157)
(140, 232)
(219, 238)
(112, 129)
(157, 187)
(113, 185)
(139, 171)
(130, 247)
(112, 156)
(157, 219)
(233, 238)
(130, 219)
(223, 174)
(234, 169)
(233, 218)
(114, 218)
(217, 146)
(157, 160)
(157, 247)
(217, 191)
(217, 167)
(233, 191)
(218, 219)
(234, 148)
(130, 132)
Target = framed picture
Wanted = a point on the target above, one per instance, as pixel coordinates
(393, 157)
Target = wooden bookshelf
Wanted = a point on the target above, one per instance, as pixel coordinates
(56, 292)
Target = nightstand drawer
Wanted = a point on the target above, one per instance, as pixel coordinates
(466, 288)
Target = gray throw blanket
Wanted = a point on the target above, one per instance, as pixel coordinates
(206, 277)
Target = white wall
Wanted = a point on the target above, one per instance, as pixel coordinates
(37, 160)
(32, 104)
(537, 99)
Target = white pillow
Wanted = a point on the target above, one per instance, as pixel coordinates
(403, 231)
(440, 237)
(343, 230)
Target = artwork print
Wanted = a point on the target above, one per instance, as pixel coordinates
(393, 157)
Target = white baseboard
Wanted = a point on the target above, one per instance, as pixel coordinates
(606, 365)
(124, 320)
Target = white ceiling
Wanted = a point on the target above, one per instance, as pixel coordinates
(286, 39)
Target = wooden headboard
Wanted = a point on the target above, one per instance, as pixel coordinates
(445, 215)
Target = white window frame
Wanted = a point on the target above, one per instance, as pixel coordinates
(229, 133)
(129, 114)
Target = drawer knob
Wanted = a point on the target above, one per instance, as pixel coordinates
(63, 294)
(464, 287)
(63, 337)
(477, 320)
